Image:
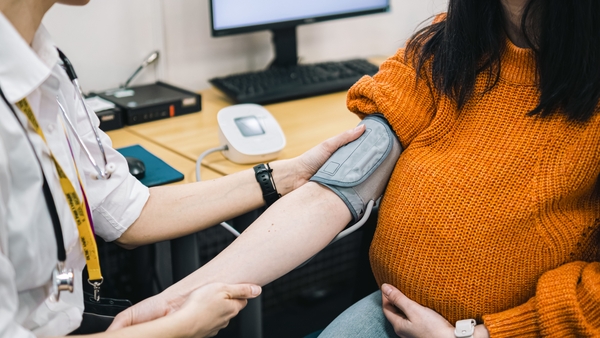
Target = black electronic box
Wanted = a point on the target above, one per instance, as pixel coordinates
(153, 102)
(110, 119)
(110, 116)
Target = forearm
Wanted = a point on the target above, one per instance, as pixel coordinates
(175, 211)
(294, 229)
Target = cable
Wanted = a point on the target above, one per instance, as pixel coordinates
(199, 178)
(358, 224)
(230, 229)
(202, 156)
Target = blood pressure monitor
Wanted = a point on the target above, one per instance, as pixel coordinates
(250, 133)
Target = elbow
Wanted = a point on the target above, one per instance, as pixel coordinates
(126, 246)
(125, 242)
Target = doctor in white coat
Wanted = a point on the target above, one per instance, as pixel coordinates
(37, 91)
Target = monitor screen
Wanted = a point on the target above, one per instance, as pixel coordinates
(249, 126)
(235, 16)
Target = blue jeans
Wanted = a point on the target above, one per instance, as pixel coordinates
(364, 319)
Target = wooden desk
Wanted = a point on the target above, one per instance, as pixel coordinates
(305, 122)
(124, 138)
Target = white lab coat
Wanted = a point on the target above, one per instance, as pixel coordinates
(27, 243)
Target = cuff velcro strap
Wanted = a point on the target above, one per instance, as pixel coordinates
(262, 172)
(359, 171)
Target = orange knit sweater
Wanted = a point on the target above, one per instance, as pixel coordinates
(490, 213)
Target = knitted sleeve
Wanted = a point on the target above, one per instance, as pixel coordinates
(566, 304)
(394, 91)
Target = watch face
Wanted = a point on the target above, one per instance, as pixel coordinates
(464, 328)
(249, 126)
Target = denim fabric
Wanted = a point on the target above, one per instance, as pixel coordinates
(364, 319)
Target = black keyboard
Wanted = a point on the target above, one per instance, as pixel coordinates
(281, 84)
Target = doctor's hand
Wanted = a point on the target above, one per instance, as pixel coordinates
(412, 320)
(293, 173)
(207, 310)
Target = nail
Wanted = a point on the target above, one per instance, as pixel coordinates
(386, 289)
(256, 290)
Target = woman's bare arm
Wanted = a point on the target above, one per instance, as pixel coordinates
(291, 231)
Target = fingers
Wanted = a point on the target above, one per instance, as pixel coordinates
(339, 140)
(398, 299)
(242, 291)
(123, 319)
(409, 318)
(219, 302)
(390, 309)
(398, 320)
(313, 159)
(238, 295)
(144, 311)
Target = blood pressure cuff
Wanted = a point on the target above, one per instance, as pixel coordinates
(359, 171)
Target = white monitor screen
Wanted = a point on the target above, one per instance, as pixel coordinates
(249, 126)
(228, 14)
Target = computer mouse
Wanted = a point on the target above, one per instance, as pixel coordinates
(137, 168)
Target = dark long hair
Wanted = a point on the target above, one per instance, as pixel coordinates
(563, 34)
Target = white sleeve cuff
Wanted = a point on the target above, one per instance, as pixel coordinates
(120, 209)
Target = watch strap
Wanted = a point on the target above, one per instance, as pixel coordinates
(262, 172)
(465, 328)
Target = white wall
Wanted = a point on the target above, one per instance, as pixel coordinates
(107, 39)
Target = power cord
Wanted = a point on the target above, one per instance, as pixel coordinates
(202, 156)
(199, 178)
(357, 225)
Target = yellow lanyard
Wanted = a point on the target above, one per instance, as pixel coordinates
(78, 208)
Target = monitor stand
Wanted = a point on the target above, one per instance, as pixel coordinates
(284, 43)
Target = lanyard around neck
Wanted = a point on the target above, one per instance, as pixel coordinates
(60, 245)
(77, 206)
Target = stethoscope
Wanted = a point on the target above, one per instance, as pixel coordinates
(108, 168)
(63, 277)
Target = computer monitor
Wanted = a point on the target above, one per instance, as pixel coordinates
(282, 16)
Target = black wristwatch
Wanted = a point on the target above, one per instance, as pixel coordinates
(262, 172)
